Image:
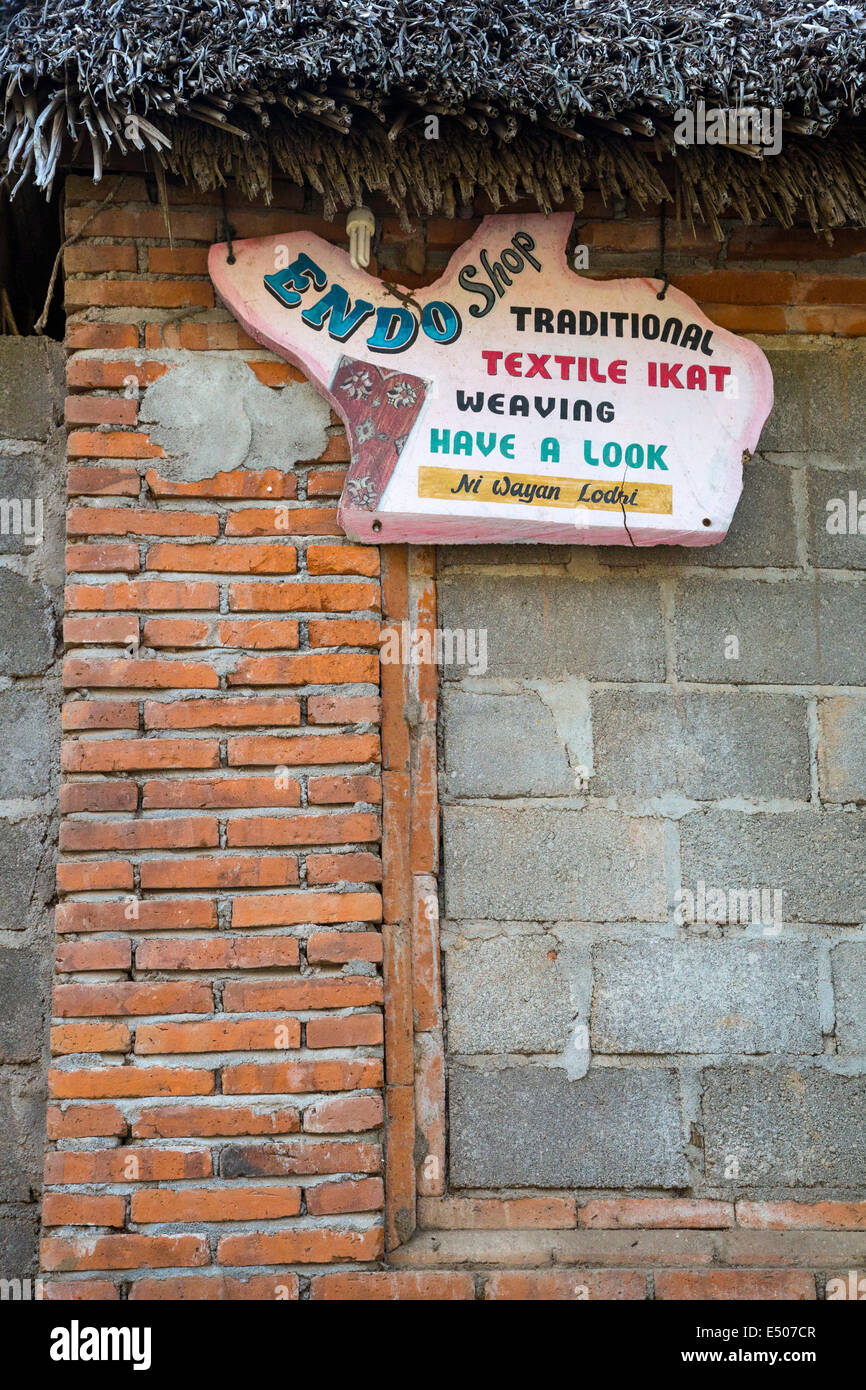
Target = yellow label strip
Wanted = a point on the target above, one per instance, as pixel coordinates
(525, 489)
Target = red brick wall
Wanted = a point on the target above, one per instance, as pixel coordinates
(220, 1087)
(216, 1095)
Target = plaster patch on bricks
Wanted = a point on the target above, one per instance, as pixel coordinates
(213, 415)
(225, 663)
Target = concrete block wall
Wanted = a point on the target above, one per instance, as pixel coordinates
(654, 727)
(32, 505)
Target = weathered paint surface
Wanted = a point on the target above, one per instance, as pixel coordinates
(512, 399)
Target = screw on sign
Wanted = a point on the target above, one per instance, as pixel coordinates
(513, 400)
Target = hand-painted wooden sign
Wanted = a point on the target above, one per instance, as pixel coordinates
(512, 400)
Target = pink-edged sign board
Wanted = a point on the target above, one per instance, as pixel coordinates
(513, 399)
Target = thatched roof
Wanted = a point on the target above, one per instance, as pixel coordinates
(534, 97)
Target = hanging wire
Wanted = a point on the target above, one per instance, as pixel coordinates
(227, 229)
(661, 273)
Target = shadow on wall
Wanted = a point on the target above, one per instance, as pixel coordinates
(29, 242)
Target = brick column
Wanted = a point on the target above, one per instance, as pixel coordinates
(216, 1089)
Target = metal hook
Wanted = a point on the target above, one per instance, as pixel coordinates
(227, 230)
(661, 273)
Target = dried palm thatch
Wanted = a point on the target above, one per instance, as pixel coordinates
(535, 98)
